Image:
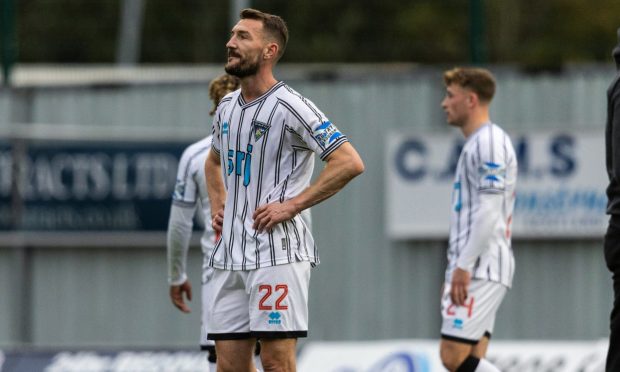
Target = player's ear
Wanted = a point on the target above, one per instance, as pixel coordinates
(270, 51)
(472, 98)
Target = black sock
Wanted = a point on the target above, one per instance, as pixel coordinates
(211, 357)
(469, 365)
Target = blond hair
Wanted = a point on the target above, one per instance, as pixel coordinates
(221, 86)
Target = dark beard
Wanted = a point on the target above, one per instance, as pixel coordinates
(242, 69)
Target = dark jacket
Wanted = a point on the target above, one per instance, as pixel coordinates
(612, 138)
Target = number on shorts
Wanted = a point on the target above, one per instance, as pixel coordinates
(451, 311)
(268, 291)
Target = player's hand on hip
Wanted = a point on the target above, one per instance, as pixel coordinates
(176, 295)
(460, 282)
(268, 215)
(217, 221)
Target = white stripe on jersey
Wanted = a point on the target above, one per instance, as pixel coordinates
(266, 150)
(487, 164)
(190, 190)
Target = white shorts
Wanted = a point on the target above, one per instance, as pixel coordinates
(207, 272)
(270, 302)
(469, 323)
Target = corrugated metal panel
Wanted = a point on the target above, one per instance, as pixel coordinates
(6, 293)
(110, 297)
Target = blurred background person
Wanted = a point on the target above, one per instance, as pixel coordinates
(612, 237)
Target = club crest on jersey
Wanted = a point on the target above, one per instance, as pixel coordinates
(326, 133)
(494, 172)
(259, 129)
(225, 128)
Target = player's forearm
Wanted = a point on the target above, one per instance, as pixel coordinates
(178, 237)
(485, 220)
(215, 185)
(342, 166)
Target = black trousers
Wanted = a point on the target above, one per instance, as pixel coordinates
(612, 258)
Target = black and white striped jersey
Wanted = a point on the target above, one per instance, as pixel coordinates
(487, 165)
(266, 148)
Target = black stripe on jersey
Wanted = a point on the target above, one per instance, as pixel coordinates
(332, 147)
(476, 266)
(276, 180)
(287, 241)
(272, 251)
(292, 131)
(296, 231)
(283, 191)
(243, 236)
(316, 253)
(302, 121)
(470, 196)
(218, 244)
(305, 101)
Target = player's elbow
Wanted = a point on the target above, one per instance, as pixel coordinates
(357, 166)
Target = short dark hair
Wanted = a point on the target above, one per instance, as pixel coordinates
(478, 80)
(273, 25)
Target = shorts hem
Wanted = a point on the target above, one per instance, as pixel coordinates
(282, 334)
(229, 336)
(459, 339)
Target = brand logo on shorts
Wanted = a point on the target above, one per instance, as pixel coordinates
(458, 324)
(274, 318)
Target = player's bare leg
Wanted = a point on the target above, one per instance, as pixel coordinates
(278, 355)
(480, 349)
(458, 356)
(235, 355)
(453, 353)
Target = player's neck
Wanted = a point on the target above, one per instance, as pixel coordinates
(478, 119)
(256, 85)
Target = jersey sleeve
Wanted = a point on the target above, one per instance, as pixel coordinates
(314, 128)
(177, 242)
(216, 132)
(185, 189)
(488, 165)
